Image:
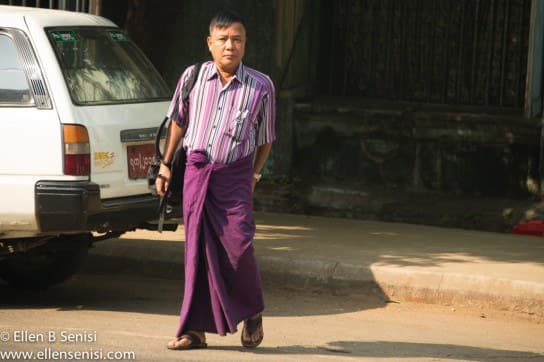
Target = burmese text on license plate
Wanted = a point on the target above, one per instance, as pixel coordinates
(139, 158)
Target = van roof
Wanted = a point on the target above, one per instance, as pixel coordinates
(51, 17)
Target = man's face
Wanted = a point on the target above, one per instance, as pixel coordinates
(227, 46)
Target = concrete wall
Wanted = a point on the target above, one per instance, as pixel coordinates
(426, 149)
(403, 162)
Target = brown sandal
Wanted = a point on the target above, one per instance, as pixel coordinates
(196, 342)
(252, 326)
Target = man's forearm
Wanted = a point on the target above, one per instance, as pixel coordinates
(261, 154)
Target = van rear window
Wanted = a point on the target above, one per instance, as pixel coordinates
(102, 66)
(13, 83)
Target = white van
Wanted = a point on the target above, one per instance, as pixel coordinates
(79, 108)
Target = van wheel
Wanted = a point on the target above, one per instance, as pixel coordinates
(46, 265)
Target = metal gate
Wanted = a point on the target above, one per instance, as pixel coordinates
(463, 52)
(84, 6)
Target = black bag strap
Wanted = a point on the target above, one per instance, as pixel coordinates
(186, 91)
(158, 138)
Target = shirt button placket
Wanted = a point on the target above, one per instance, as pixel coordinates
(217, 114)
(216, 118)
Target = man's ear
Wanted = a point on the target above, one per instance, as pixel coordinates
(209, 42)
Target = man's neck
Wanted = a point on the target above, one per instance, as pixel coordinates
(226, 75)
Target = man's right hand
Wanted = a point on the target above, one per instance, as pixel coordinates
(163, 178)
(175, 133)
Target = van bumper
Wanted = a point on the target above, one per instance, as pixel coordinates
(75, 206)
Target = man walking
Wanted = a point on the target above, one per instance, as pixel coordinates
(230, 127)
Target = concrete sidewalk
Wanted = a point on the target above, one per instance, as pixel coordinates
(400, 261)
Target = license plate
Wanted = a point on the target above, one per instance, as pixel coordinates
(139, 158)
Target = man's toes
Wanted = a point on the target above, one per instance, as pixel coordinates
(183, 342)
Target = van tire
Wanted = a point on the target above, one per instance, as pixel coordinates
(46, 265)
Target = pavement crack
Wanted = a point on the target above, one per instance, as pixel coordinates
(440, 284)
(330, 277)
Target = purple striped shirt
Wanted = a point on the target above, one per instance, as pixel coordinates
(227, 122)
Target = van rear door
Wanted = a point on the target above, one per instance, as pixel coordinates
(119, 96)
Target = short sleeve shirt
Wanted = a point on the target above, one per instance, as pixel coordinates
(228, 122)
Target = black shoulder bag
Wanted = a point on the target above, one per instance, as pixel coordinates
(174, 194)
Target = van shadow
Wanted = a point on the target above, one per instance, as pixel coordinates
(134, 292)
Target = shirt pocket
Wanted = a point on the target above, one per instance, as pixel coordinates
(241, 126)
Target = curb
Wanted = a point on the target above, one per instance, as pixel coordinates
(390, 283)
(416, 286)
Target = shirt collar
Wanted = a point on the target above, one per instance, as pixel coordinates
(238, 75)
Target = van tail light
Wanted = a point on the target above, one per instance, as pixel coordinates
(77, 151)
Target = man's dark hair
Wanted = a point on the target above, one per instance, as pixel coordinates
(224, 19)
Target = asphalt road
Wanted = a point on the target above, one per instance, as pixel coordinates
(103, 313)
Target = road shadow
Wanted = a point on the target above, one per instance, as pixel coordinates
(300, 244)
(152, 282)
(386, 349)
(135, 293)
(115, 293)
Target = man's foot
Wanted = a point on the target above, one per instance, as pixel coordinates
(253, 333)
(188, 340)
